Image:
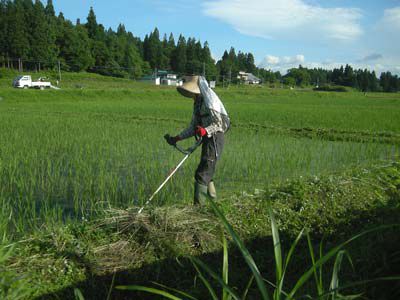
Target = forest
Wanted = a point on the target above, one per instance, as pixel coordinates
(33, 37)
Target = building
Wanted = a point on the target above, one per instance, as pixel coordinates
(151, 79)
(160, 77)
(248, 78)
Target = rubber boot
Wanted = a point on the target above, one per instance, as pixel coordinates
(200, 194)
(212, 192)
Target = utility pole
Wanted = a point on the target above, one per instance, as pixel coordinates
(204, 69)
(19, 65)
(59, 71)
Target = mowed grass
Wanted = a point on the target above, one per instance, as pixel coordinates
(73, 152)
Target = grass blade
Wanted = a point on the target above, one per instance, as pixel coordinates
(246, 254)
(78, 294)
(214, 275)
(321, 247)
(304, 278)
(205, 282)
(153, 291)
(186, 295)
(336, 270)
(111, 287)
(277, 245)
(225, 267)
(275, 287)
(311, 250)
(287, 260)
(354, 284)
(248, 286)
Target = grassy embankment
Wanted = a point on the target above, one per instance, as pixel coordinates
(96, 145)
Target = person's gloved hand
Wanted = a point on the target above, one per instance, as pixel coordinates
(200, 131)
(172, 140)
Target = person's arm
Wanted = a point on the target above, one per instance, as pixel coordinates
(190, 130)
(216, 123)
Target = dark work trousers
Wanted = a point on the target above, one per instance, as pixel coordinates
(210, 153)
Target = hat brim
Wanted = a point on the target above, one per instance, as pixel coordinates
(186, 93)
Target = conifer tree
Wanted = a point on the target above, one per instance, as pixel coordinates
(3, 32)
(39, 48)
(178, 61)
(49, 11)
(91, 24)
(17, 35)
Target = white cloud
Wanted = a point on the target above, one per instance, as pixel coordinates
(272, 60)
(382, 38)
(298, 59)
(391, 18)
(282, 63)
(289, 19)
(388, 27)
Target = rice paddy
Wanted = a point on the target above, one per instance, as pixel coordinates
(73, 152)
(69, 156)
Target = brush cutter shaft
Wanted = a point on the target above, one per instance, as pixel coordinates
(165, 181)
(187, 153)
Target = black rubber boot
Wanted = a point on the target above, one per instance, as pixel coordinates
(200, 194)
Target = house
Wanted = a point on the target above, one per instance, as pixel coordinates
(151, 79)
(160, 77)
(248, 78)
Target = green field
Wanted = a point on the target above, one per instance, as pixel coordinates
(97, 144)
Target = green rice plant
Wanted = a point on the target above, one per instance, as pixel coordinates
(12, 286)
(281, 265)
(70, 154)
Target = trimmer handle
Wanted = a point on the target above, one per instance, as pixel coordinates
(191, 149)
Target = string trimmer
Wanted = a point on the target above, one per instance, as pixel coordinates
(187, 153)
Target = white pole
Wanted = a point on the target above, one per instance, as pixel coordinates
(165, 181)
(59, 71)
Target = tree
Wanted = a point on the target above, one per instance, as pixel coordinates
(290, 81)
(75, 47)
(193, 63)
(49, 11)
(153, 49)
(91, 24)
(300, 75)
(52, 49)
(179, 59)
(39, 49)
(166, 52)
(210, 67)
(3, 32)
(348, 78)
(133, 61)
(250, 65)
(17, 35)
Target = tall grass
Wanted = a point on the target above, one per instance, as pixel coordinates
(267, 289)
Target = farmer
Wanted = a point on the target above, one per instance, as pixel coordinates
(210, 121)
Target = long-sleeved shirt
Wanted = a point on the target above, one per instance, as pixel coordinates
(212, 121)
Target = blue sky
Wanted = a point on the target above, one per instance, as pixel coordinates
(280, 33)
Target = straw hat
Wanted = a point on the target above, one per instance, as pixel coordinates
(190, 87)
